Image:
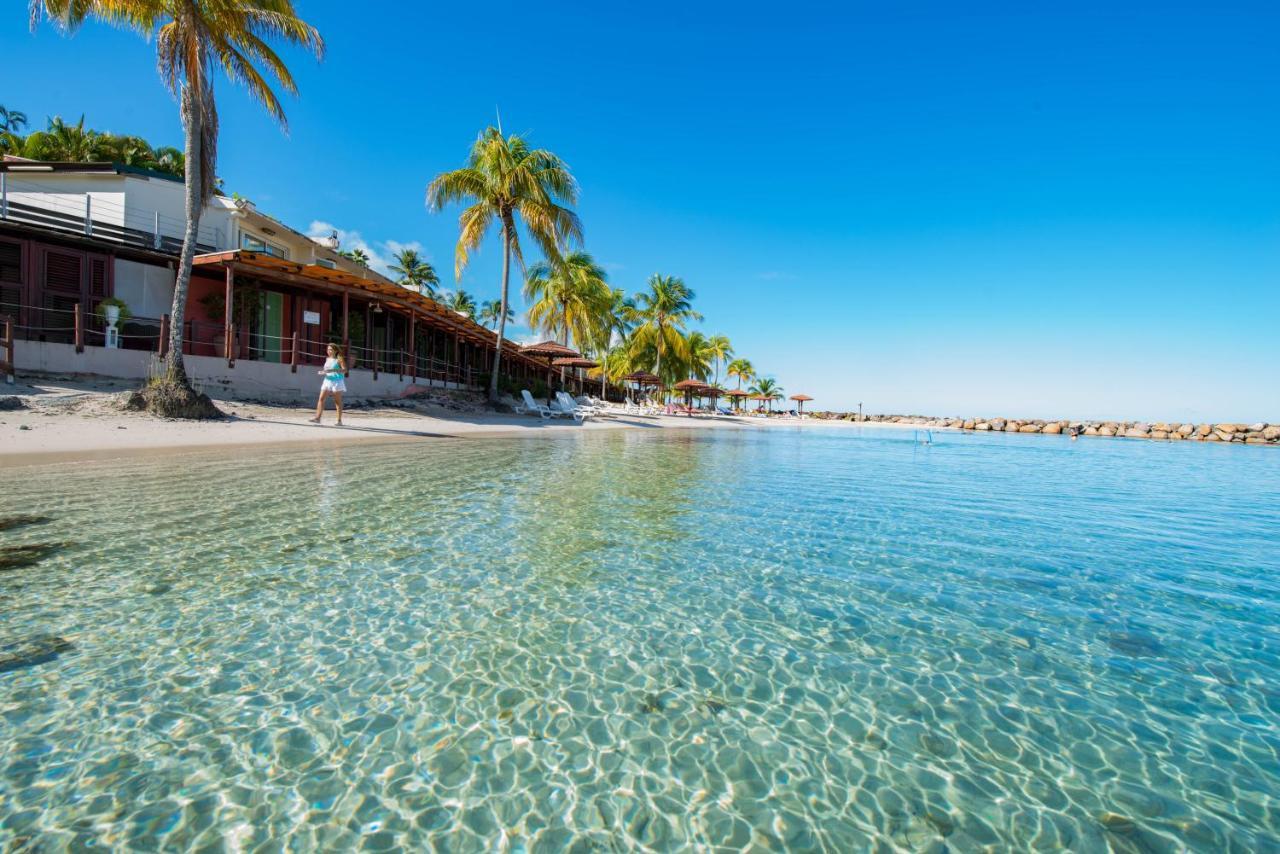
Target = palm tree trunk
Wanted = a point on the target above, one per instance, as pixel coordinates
(192, 125)
(502, 320)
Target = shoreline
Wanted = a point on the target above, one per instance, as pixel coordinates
(71, 421)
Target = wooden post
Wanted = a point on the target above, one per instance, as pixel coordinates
(79, 315)
(164, 336)
(227, 309)
(346, 339)
(8, 365)
(413, 346)
(232, 344)
(293, 354)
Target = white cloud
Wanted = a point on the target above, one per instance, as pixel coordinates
(381, 253)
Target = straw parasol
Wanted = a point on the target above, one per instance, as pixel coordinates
(801, 398)
(550, 350)
(737, 394)
(575, 362)
(690, 387)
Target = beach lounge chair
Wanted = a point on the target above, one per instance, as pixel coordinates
(568, 406)
(593, 405)
(561, 408)
(532, 407)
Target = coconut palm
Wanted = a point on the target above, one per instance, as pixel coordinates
(461, 302)
(742, 369)
(607, 341)
(490, 313)
(11, 121)
(661, 315)
(415, 272)
(358, 255)
(507, 182)
(193, 37)
(720, 350)
(698, 356)
(567, 297)
(67, 143)
(768, 389)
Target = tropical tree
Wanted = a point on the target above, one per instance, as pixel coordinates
(67, 143)
(192, 38)
(508, 183)
(567, 297)
(661, 314)
(611, 327)
(768, 389)
(11, 121)
(461, 302)
(720, 350)
(490, 313)
(698, 356)
(358, 255)
(742, 369)
(415, 272)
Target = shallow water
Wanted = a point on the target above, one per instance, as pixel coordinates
(815, 639)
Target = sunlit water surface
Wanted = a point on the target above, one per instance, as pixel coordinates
(768, 639)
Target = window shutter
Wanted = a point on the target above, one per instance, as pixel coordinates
(10, 263)
(62, 271)
(97, 276)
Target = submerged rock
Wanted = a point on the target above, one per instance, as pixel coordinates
(22, 520)
(1134, 644)
(31, 651)
(17, 557)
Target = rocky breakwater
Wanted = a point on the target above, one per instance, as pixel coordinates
(1260, 433)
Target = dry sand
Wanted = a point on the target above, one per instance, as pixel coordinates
(77, 418)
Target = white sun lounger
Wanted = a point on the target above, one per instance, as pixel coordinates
(532, 407)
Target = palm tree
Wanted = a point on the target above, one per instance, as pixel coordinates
(567, 296)
(461, 302)
(490, 313)
(358, 255)
(698, 356)
(768, 389)
(505, 180)
(192, 37)
(720, 350)
(66, 143)
(11, 121)
(611, 325)
(742, 369)
(661, 314)
(415, 272)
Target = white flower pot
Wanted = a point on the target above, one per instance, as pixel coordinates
(112, 314)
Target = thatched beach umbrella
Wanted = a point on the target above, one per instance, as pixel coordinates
(643, 379)
(550, 350)
(689, 387)
(737, 394)
(801, 398)
(576, 362)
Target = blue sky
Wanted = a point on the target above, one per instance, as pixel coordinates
(989, 209)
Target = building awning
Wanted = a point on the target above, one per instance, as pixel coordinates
(268, 267)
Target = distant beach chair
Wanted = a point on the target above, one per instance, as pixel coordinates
(564, 405)
(532, 407)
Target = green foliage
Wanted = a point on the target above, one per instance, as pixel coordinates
(415, 272)
(125, 314)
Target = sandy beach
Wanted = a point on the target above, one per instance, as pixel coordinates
(66, 419)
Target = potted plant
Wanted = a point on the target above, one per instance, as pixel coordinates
(113, 310)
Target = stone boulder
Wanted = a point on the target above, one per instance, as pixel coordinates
(1257, 428)
(1029, 428)
(1159, 434)
(1091, 431)
(997, 423)
(1106, 430)
(1271, 433)
(1186, 429)
(1204, 429)
(983, 426)
(1223, 435)
(1137, 431)
(1052, 428)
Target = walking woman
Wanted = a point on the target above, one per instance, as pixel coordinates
(334, 384)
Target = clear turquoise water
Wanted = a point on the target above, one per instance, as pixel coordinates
(759, 639)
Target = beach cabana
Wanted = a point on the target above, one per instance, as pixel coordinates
(737, 394)
(550, 350)
(800, 399)
(690, 388)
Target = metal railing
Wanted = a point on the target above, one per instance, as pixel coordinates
(103, 219)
